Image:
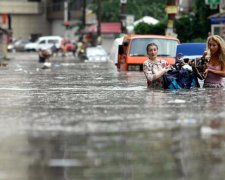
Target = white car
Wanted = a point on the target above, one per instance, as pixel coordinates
(30, 46)
(45, 42)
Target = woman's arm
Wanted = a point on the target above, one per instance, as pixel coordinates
(153, 74)
(221, 73)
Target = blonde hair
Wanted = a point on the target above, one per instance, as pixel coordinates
(221, 51)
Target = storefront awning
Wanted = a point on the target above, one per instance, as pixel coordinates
(113, 27)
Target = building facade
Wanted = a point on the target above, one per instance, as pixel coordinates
(30, 19)
(218, 20)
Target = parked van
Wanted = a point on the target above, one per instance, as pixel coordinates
(44, 42)
(132, 52)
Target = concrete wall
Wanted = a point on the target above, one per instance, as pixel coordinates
(23, 26)
(20, 7)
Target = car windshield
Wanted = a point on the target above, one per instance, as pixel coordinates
(21, 41)
(53, 41)
(167, 47)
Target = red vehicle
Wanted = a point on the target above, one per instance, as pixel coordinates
(132, 52)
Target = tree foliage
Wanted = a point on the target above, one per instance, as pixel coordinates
(189, 27)
(185, 28)
(143, 28)
(111, 9)
(195, 25)
(140, 8)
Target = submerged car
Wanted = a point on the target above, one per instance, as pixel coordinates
(190, 50)
(97, 53)
(19, 45)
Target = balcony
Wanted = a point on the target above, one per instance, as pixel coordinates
(7, 7)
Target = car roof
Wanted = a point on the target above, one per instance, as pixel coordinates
(191, 49)
(133, 36)
(50, 37)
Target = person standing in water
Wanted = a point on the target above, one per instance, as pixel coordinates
(215, 70)
(44, 55)
(154, 68)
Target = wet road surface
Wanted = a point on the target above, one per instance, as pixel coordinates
(85, 120)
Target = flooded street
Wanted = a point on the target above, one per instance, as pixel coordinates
(87, 121)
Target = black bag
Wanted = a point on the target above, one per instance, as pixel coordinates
(180, 79)
(199, 65)
(170, 80)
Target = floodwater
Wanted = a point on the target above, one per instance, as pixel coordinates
(87, 121)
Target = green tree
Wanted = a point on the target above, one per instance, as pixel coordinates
(195, 25)
(143, 28)
(185, 28)
(202, 23)
(111, 9)
(140, 8)
(189, 27)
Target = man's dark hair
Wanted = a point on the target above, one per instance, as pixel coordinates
(186, 60)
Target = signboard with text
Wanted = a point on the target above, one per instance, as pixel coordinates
(3, 20)
(123, 1)
(172, 9)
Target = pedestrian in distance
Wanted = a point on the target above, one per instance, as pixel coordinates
(54, 50)
(215, 70)
(80, 49)
(4, 40)
(154, 68)
(44, 55)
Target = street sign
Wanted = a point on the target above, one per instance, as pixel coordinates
(4, 20)
(129, 19)
(171, 9)
(123, 1)
(213, 3)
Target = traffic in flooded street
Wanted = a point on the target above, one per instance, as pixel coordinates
(87, 120)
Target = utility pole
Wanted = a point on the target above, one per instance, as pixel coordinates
(84, 13)
(99, 23)
(171, 10)
(66, 18)
(123, 12)
(66, 11)
(9, 22)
